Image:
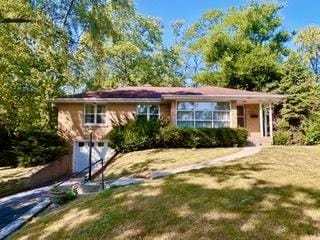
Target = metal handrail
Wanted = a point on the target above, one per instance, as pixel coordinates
(81, 172)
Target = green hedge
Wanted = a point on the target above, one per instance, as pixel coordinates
(141, 134)
(30, 148)
(37, 147)
(171, 136)
(135, 135)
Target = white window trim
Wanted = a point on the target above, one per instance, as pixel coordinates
(194, 120)
(148, 110)
(95, 116)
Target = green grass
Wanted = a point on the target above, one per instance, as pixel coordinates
(14, 179)
(273, 195)
(140, 163)
(9, 173)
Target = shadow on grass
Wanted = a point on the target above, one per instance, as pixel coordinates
(206, 204)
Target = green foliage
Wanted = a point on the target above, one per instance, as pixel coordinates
(281, 138)
(302, 94)
(134, 135)
(308, 41)
(170, 136)
(141, 134)
(209, 137)
(37, 147)
(243, 47)
(312, 129)
(50, 48)
(70, 194)
(33, 67)
(133, 55)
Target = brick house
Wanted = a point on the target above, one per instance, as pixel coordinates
(80, 114)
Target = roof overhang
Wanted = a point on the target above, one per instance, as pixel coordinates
(168, 97)
(269, 98)
(106, 100)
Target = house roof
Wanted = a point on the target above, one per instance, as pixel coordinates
(166, 93)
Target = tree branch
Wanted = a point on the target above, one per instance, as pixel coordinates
(68, 12)
(15, 20)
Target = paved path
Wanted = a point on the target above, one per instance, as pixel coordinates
(15, 206)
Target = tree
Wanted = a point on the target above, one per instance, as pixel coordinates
(308, 41)
(298, 83)
(136, 56)
(33, 67)
(243, 47)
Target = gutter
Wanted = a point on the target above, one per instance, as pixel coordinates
(232, 97)
(170, 97)
(109, 100)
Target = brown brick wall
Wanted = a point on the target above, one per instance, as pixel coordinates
(70, 119)
(252, 124)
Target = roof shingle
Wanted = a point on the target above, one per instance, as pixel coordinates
(159, 92)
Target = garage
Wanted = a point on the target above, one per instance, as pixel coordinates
(100, 150)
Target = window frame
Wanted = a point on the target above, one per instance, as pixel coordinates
(95, 115)
(148, 110)
(242, 116)
(212, 113)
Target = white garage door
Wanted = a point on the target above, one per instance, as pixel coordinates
(100, 150)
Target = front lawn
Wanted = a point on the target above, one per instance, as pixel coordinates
(140, 163)
(273, 195)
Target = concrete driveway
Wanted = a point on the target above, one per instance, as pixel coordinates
(14, 206)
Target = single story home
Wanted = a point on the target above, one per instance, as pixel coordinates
(210, 107)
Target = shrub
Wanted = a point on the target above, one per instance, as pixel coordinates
(135, 135)
(171, 136)
(281, 138)
(141, 134)
(38, 147)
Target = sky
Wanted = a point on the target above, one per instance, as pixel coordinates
(296, 15)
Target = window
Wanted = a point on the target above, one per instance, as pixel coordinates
(148, 111)
(203, 114)
(95, 114)
(240, 116)
(100, 144)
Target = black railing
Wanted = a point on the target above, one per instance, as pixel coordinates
(83, 171)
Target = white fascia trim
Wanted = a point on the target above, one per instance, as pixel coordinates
(106, 100)
(229, 97)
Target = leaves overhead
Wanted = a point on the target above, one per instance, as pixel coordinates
(243, 47)
(308, 41)
(50, 48)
